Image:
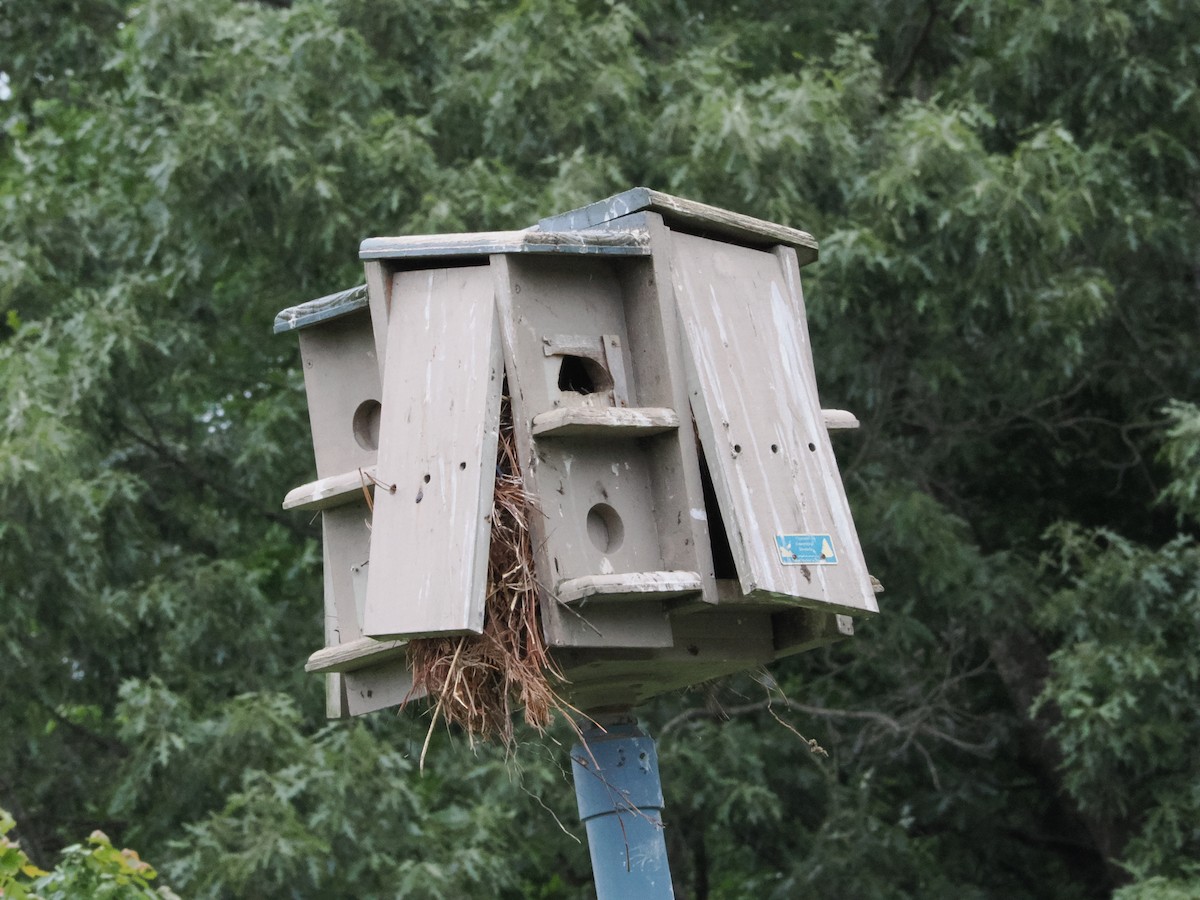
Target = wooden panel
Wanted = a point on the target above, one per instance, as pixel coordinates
(643, 625)
(336, 706)
(379, 687)
(486, 243)
(707, 645)
(655, 353)
(799, 630)
(315, 312)
(836, 419)
(335, 690)
(345, 538)
(379, 296)
(540, 298)
(628, 586)
(686, 213)
(355, 655)
(437, 460)
(754, 398)
(604, 422)
(346, 541)
(553, 301)
(336, 490)
(593, 503)
(341, 380)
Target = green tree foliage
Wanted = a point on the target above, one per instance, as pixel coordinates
(97, 870)
(1007, 198)
(1124, 678)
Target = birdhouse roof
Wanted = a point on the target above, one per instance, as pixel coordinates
(686, 215)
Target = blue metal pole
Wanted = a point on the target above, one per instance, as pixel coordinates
(620, 802)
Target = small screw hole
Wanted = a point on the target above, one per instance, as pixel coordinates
(774, 448)
(812, 446)
(462, 465)
(737, 448)
(427, 477)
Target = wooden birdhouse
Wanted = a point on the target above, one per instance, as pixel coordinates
(690, 518)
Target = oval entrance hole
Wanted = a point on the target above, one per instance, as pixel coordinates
(605, 528)
(366, 424)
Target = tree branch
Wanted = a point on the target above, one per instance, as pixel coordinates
(888, 723)
(922, 37)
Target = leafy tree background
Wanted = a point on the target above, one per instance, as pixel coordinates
(1007, 199)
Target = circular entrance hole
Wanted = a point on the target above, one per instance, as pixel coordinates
(605, 528)
(366, 424)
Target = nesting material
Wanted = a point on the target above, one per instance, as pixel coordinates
(479, 681)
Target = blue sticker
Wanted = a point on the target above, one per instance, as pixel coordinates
(806, 549)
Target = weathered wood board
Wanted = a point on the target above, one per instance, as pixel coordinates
(437, 462)
(707, 645)
(595, 519)
(754, 398)
(379, 298)
(335, 690)
(624, 587)
(531, 241)
(657, 367)
(345, 544)
(342, 383)
(323, 309)
(687, 214)
(379, 687)
(354, 655)
(604, 423)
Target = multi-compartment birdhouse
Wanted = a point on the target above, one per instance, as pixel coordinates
(689, 519)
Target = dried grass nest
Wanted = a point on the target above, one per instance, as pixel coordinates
(479, 681)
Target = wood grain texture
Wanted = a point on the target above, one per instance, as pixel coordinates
(605, 422)
(707, 645)
(658, 368)
(340, 375)
(838, 419)
(315, 312)
(336, 706)
(754, 397)
(437, 458)
(485, 243)
(357, 654)
(336, 490)
(335, 689)
(539, 298)
(689, 214)
(628, 586)
(379, 687)
(345, 546)
(379, 300)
